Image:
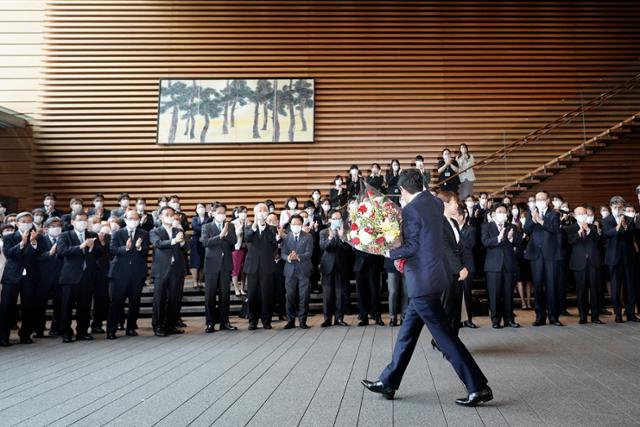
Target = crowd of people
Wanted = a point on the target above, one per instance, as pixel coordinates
(93, 259)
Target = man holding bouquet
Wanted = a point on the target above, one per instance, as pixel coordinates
(426, 278)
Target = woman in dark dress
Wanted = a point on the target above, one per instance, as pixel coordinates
(196, 260)
(391, 181)
(338, 195)
(354, 182)
(375, 179)
(447, 168)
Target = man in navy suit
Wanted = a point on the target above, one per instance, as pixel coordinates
(49, 264)
(426, 277)
(543, 227)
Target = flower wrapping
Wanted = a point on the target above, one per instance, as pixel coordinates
(374, 222)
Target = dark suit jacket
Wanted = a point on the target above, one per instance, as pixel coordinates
(619, 242)
(163, 251)
(304, 249)
(468, 236)
(500, 256)
(453, 251)
(49, 265)
(20, 259)
(425, 272)
(260, 250)
(218, 251)
(74, 258)
(132, 262)
(543, 239)
(106, 213)
(584, 250)
(335, 253)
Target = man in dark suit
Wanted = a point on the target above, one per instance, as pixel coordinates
(169, 270)
(297, 248)
(426, 277)
(367, 271)
(98, 208)
(619, 257)
(20, 276)
(259, 266)
(80, 250)
(585, 264)
(218, 238)
(101, 285)
(49, 206)
(543, 226)
(334, 266)
(77, 206)
(500, 266)
(49, 266)
(129, 247)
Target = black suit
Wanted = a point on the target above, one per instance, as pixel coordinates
(468, 235)
(453, 252)
(127, 273)
(541, 252)
(101, 288)
(77, 279)
(169, 269)
(334, 266)
(619, 257)
(218, 265)
(259, 267)
(500, 266)
(20, 276)
(585, 264)
(367, 268)
(48, 287)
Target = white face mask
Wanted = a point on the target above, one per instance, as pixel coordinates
(557, 204)
(630, 214)
(292, 205)
(80, 226)
(219, 217)
(96, 228)
(162, 204)
(25, 227)
(590, 219)
(338, 183)
(500, 218)
(354, 173)
(541, 205)
(419, 164)
(76, 207)
(124, 203)
(167, 220)
(47, 202)
(315, 196)
(114, 226)
(514, 212)
(310, 212)
(483, 203)
(105, 229)
(176, 224)
(295, 229)
(98, 205)
(175, 206)
(242, 216)
(335, 223)
(326, 207)
(38, 219)
(532, 206)
(395, 168)
(604, 213)
(200, 211)
(615, 212)
(581, 218)
(54, 231)
(523, 219)
(261, 216)
(141, 208)
(132, 223)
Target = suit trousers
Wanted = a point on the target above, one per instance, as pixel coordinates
(397, 294)
(622, 278)
(428, 310)
(588, 292)
(260, 289)
(545, 292)
(122, 289)
(368, 287)
(500, 287)
(452, 303)
(298, 293)
(8, 303)
(79, 296)
(334, 295)
(100, 299)
(167, 292)
(47, 290)
(217, 284)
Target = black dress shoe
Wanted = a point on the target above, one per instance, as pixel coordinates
(379, 321)
(341, 323)
(252, 327)
(67, 339)
(181, 324)
(496, 326)
(97, 330)
(597, 321)
(474, 398)
(364, 322)
(290, 325)
(282, 318)
(111, 336)
(582, 321)
(469, 324)
(174, 331)
(326, 323)
(304, 325)
(267, 326)
(565, 313)
(539, 323)
(435, 346)
(619, 319)
(556, 323)
(513, 324)
(53, 333)
(393, 322)
(378, 387)
(26, 340)
(606, 312)
(633, 319)
(228, 327)
(84, 337)
(4, 343)
(159, 332)
(131, 333)
(210, 329)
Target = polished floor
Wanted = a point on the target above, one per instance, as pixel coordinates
(578, 375)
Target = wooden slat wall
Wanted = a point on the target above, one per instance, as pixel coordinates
(15, 166)
(393, 79)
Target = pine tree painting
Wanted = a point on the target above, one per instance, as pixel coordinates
(218, 111)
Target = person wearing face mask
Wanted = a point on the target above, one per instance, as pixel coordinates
(338, 195)
(427, 276)
(280, 292)
(325, 209)
(271, 206)
(531, 203)
(619, 257)
(297, 248)
(501, 239)
(101, 286)
(98, 208)
(174, 203)
(3, 211)
(367, 268)
(523, 277)
(196, 250)
(5, 230)
(316, 197)
(313, 227)
(375, 179)
(20, 277)
(334, 266)
(39, 217)
(49, 205)
(146, 219)
(468, 235)
(129, 247)
(262, 243)
(466, 161)
(219, 240)
(123, 201)
(391, 181)
(290, 209)
(162, 202)
(354, 182)
(426, 173)
(76, 205)
(239, 253)
(80, 250)
(543, 227)
(447, 170)
(585, 264)
(169, 270)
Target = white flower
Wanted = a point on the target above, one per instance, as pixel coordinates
(365, 238)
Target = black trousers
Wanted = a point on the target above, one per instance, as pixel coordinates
(122, 289)
(561, 284)
(298, 294)
(260, 289)
(467, 291)
(8, 304)
(79, 296)
(500, 288)
(217, 284)
(588, 292)
(334, 295)
(100, 299)
(368, 288)
(452, 303)
(622, 277)
(280, 291)
(544, 285)
(47, 289)
(167, 293)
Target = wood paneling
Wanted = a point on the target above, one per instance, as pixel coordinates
(393, 79)
(15, 167)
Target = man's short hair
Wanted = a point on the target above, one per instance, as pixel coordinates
(296, 216)
(332, 211)
(52, 195)
(410, 180)
(77, 214)
(164, 208)
(616, 200)
(446, 196)
(53, 220)
(217, 205)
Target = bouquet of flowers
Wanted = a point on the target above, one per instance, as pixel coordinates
(373, 222)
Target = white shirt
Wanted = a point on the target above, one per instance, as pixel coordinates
(80, 235)
(455, 231)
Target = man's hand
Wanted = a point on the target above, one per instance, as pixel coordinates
(341, 232)
(510, 235)
(501, 235)
(53, 249)
(139, 243)
(129, 243)
(331, 233)
(535, 216)
(33, 236)
(180, 237)
(293, 256)
(144, 219)
(90, 242)
(225, 230)
(25, 238)
(463, 274)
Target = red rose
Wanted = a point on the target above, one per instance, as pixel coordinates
(362, 208)
(368, 230)
(355, 241)
(369, 194)
(380, 240)
(354, 227)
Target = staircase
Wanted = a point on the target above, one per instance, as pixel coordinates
(624, 129)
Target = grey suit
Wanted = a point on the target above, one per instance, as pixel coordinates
(297, 273)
